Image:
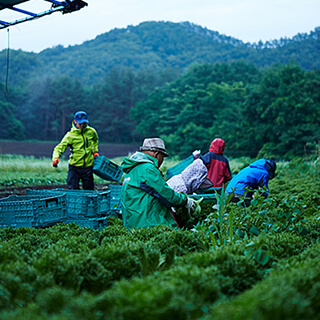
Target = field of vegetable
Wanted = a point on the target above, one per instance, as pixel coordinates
(229, 262)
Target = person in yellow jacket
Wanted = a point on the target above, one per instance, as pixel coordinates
(83, 142)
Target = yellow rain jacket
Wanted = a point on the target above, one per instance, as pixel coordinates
(82, 142)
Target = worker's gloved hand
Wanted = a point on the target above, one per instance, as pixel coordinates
(96, 154)
(191, 204)
(196, 154)
(55, 162)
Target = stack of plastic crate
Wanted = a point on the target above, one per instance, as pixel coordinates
(115, 205)
(106, 169)
(91, 202)
(35, 211)
(87, 208)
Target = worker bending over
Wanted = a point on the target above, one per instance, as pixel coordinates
(146, 199)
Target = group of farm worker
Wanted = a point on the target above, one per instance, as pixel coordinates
(147, 199)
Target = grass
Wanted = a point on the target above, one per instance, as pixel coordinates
(17, 164)
(17, 170)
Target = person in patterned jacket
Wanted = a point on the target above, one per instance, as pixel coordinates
(190, 179)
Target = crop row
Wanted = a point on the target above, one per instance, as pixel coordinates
(233, 262)
(154, 273)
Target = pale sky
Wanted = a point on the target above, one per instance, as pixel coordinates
(246, 20)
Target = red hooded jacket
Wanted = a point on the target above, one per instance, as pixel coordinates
(218, 165)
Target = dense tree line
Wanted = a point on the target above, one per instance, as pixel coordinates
(176, 80)
(10, 126)
(273, 111)
(265, 112)
(43, 109)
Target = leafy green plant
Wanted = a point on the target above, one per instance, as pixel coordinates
(258, 255)
(292, 292)
(258, 251)
(218, 226)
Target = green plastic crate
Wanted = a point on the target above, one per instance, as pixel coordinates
(99, 199)
(178, 168)
(82, 204)
(115, 205)
(206, 194)
(106, 169)
(94, 223)
(32, 210)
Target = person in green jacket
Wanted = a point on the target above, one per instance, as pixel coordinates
(83, 142)
(146, 199)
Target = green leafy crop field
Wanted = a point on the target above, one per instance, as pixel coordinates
(229, 262)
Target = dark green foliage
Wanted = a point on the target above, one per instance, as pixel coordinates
(270, 271)
(84, 259)
(188, 220)
(286, 105)
(175, 80)
(266, 113)
(10, 126)
(290, 293)
(185, 291)
(235, 272)
(191, 110)
(179, 241)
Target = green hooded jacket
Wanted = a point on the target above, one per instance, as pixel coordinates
(146, 198)
(82, 142)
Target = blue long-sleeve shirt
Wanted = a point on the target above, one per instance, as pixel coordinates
(254, 176)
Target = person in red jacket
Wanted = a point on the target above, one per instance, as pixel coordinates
(217, 164)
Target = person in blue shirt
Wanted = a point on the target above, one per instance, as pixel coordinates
(249, 179)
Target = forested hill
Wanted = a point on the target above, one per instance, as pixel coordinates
(178, 81)
(155, 46)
